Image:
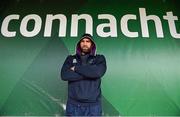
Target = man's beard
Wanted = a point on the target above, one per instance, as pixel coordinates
(86, 50)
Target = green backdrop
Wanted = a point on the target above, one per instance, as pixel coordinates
(143, 74)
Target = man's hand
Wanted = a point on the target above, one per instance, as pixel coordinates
(72, 68)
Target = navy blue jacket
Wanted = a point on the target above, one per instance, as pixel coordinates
(84, 82)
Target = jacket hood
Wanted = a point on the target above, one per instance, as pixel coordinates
(93, 48)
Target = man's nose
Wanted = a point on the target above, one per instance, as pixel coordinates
(85, 43)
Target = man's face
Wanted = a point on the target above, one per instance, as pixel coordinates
(85, 45)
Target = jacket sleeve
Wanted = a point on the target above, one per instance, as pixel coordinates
(67, 74)
(93, 71)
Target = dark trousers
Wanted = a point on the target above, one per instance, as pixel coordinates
(79, 110)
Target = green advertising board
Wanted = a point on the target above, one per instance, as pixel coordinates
(140, 40)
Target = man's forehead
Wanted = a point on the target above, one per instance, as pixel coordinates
(85, 39)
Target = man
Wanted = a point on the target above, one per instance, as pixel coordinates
(83, 71)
